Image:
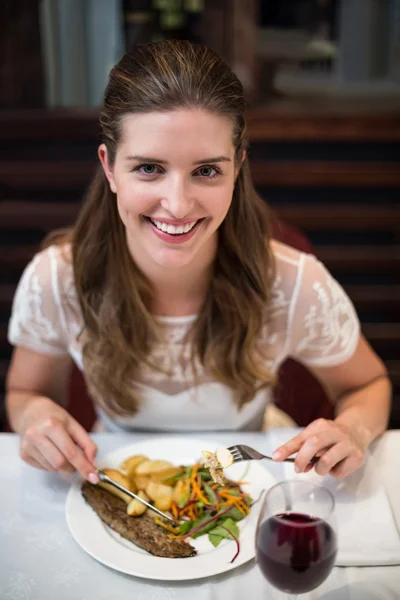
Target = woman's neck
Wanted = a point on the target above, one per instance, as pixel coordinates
(179, 291)
(176, 299)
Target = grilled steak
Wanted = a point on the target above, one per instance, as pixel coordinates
(141, 531)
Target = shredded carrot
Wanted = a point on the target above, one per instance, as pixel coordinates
(194, 473)
(237, 505)
(191, 514)
(200, 494)
(235, 500)
(240, 509)
(245, 508)
(195, 490)
(192, 482)
(174, 509)
(226, 494)
(183, 511)
(242, 505)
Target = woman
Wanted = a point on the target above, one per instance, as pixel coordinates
(169, 293)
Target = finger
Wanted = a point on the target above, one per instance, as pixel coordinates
(347, 466)
(68, 468)
(35, 458)
(52, 454)
(73, 454)
(84, 441)
(344, 468)
(289, 447)
(314, 445)
(296, 443)
(34, 463)
(310, 465)
(332, 457)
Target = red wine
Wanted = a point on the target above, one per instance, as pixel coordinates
(296, 552)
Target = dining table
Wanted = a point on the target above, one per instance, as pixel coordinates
(41, 560)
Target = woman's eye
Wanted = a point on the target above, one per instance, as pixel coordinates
(209, 172)
(147, 169)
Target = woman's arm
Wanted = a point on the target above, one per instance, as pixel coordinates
(361, 392)
(50, 438)
(32, 374)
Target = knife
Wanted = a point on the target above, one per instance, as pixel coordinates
(106, 479)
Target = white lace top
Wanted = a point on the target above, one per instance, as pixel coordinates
(312, 320)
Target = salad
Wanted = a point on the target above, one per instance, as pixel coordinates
(202, 506)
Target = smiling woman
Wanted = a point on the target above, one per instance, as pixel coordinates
(170, 295)
(178, 192)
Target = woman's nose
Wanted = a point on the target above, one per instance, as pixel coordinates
(177, 199)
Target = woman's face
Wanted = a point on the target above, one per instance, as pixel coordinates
(173, 177)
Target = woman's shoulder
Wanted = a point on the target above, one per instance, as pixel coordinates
(322, 327)
(38, 318)
(286, 255)
(291, 265)
(50, 271)
(53, 258)
(296, 273)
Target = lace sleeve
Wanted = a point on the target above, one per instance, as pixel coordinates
(323, 325)
(36, 317)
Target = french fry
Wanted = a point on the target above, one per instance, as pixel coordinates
(135, 508)
(129, 466)
(178, 492)
(119, 478)
(163, 476)
(160, 494)
(152, 489)
(140, 481)
(164, 499)
(149, 467)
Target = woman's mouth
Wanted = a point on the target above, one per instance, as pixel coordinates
(173, 233)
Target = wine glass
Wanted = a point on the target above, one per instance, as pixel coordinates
(296, 540)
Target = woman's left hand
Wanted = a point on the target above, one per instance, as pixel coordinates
(341, 449)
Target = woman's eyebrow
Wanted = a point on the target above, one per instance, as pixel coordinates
(214, 159)
(146, 159)
(153, 159)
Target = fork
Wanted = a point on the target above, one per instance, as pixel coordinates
(241, 452)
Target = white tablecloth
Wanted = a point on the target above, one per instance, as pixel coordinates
(39, 560)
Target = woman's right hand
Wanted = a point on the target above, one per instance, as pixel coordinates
(54, 441)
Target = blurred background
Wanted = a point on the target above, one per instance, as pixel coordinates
(322, 78)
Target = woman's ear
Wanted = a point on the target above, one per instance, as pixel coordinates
(103, 157)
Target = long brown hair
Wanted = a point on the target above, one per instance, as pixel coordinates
(115, 297)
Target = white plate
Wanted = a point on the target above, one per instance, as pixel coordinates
(112, 550)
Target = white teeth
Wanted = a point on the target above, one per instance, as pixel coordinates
(171, 229)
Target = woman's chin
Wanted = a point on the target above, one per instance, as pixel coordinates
(172, 259)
